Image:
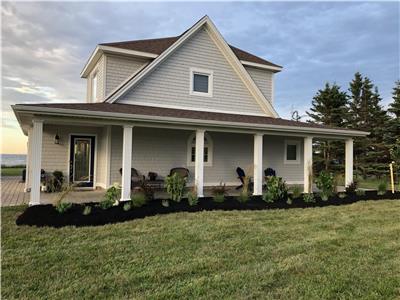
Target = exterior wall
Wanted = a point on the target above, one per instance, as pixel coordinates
(119, 68)
(160, 150)
(264, 81)
(169, 83)
(99, 69)
(56, 157)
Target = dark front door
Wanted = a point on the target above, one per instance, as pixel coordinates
(81, 164)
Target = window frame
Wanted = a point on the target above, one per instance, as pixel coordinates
(93, 94)
(209, 145)
(204, 72)
(297, 160)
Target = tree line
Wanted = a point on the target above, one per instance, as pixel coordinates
(359, 108)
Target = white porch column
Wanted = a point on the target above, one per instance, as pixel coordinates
(199, 163)
(36, 161)
(258, 168)
(28, 159)
(348, 178)
(308, 164)
(126, 163)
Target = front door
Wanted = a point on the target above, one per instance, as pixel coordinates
(81, 164)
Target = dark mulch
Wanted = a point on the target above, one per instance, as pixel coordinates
(46, 215)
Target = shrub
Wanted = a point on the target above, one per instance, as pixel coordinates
(54, 182)
(276, 190)
(127, 206)
(87, 210)
(382, 188)
(325, 183)
(113, 193)
(192, 197)
(219, 198)
(138, 199)
(63, 207)
(289, 201)
(165, 202)
(243, 197)
(352, 187)
(175, 186)
(342, 195)
(360, 192)
(308, 198)
(219, 192)
(106, 203)
(296, 191)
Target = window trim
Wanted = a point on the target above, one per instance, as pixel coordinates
(205, 72)
(297, 160)
(210, 146)
(94, 96)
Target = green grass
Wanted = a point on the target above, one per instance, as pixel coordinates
(345, 252)
(11, 171)
(369, 183)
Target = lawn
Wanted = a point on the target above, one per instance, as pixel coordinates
(343, 252)
(11, 171)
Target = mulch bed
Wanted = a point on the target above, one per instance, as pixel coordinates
(46, 215)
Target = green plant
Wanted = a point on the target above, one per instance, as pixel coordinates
(219, 192)
(175, 185)
(289, 201)
(106, 203)
(66, 189)
(308, 198)
(296, 191)
(360, 192)
(276, 190)
(87, 210)
(165, 202)
(63, 207)
(382, 188)
(243, 197)
(325, 183)
(352, 187)
(138, 199)
(127, 206)
(192, 197)
(113, 193)
(342, 195)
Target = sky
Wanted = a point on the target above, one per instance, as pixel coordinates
(45, 45)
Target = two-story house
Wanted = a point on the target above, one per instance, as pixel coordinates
(190, 101)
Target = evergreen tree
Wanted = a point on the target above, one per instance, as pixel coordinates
(356, 87)
(329, 106)
(393, 131)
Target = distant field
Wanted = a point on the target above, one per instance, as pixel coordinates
(11, 171)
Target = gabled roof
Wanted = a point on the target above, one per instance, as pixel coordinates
(225, 49)
(158, 46)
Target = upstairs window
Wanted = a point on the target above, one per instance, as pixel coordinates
(201, 82)
(292, 152)
(94, 88)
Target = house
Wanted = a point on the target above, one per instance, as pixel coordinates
(189, 101)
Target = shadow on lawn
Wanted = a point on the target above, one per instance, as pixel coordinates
(46, 215)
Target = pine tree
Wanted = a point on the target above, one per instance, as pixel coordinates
(356, 87)
(393, 131)
(329, 106)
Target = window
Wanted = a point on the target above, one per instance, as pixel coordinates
(292, 152)
(201, 82)
(94, 88)
(207, 158)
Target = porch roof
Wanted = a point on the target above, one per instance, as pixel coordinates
(129, 112)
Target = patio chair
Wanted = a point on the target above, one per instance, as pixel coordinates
(269, 172)
(180, 171)
(136, 178)
(241, 175)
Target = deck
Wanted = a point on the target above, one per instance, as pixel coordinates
(12, 191)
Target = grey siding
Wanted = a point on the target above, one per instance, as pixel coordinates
(119, 68)
(263, 79)
(159, 150)
(56, 157)
(169, 83)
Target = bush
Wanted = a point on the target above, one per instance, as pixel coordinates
(54, 182)
(276, 190)
(192, 197)
(352, 187)
(289, 201)
(138, 199)
(113, 193)
(296, 191)
(127, 206)
(382, 188)
(175, 186)
(360, 192)
(309, 198)
(325, 183)
(243, 197)
(63, 207)
(87, 210)
(219, 198)
(106, 203)
(219, 192)
(342, 195)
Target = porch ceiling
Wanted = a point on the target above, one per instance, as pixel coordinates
(119, 114)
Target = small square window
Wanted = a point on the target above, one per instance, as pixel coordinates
(200, 83)
(291, 152)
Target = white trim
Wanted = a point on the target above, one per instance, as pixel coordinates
(127, 139)
(261, 66)
(108, 132)
(199, 163)
(292, 162)
(258, 164)
(36, 161)
(204, 72)
(93, 87)
(103, 96)
(348, 162)
(308, 164)
(95, 159)
(124, 117)
(210, 146)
